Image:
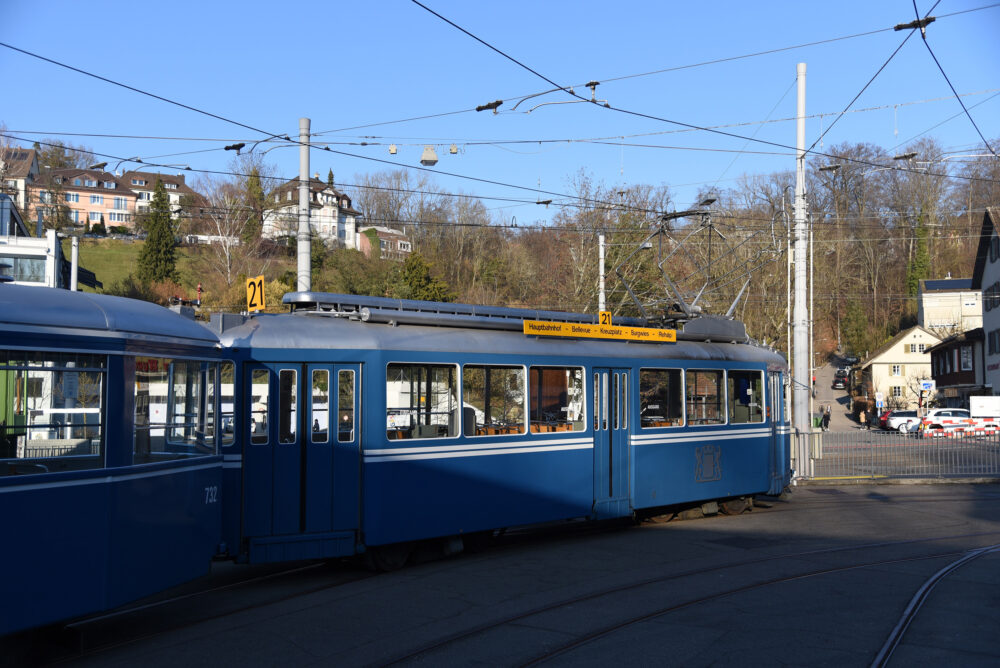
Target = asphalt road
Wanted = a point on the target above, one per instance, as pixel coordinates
(827, 576)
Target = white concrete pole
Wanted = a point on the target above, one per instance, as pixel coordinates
(800, 349)
(74, 264)
(600, 294)
(303, 237)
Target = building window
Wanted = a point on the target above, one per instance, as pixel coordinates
(897, 370)
(45, 197)
(138, 182)
(404, 246)
(97, 199)
(897, 391)
(966, 355)
(116, 217)
(72, 197)
(94, 216)
(76, 182)
(90, 183)
(121, 203)
(146, 196)
(170, 186)
(110, 185)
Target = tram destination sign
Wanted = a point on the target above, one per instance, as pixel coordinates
(582, 331)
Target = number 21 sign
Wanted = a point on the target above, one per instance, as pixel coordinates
(255, 294)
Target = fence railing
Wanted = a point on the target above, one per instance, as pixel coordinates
(861, 453)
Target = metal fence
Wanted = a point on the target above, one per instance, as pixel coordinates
(861, 453)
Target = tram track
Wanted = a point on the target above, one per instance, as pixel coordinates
(427, 652)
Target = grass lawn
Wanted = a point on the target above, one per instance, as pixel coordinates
(112, 260)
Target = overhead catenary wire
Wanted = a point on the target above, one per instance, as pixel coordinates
(923, 35)
(569, 91)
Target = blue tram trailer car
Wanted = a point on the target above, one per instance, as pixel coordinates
(110, 471)
(367, 423)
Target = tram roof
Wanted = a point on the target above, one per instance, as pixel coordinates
(28, 307)
(310, 330)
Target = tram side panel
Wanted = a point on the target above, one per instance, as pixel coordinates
(508, 448)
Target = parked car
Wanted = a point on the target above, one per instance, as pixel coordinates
(883, 417)
(945, 418)
(839, 383)
(902, 421)
(843, 372)
(850, 359)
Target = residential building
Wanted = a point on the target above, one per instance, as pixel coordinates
(392, 244)
(331, 217)
(949, 306)
(986, 277)
(143, 184)
(84, 196)
(18, 169)
(896, 369)
(958, 368)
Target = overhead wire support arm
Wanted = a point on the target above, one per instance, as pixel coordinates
(919, 23)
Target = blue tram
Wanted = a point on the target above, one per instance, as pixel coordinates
(110, 471)
(365, 424)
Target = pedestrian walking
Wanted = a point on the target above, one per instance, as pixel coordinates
(826, 419)
(863, 419)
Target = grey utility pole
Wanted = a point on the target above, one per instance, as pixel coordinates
(801, 378)
(303, 236)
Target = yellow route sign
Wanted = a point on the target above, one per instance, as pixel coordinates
(255, 294)
(619, 332)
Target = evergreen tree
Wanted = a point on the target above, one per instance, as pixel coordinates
(157, 261)
(920, 265)
(420, 284)
(329, 178)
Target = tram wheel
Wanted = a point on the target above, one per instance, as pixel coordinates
(385, 558)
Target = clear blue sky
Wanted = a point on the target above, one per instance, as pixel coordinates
(353, 64)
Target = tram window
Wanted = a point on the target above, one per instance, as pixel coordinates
(421, 401)
(320, 409)
(746, 396)
(226, 380)
(52, 411)
(557, 398)
(171, 419)
(660, 394)
(493, 400)
(259, 402)
(345, 408)
(287, 405)
(704, 397)
(185, 408)
(210, 372)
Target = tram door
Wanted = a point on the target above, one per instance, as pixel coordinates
(302, 454)
(611, 421)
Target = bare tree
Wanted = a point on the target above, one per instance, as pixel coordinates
(229, 213)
